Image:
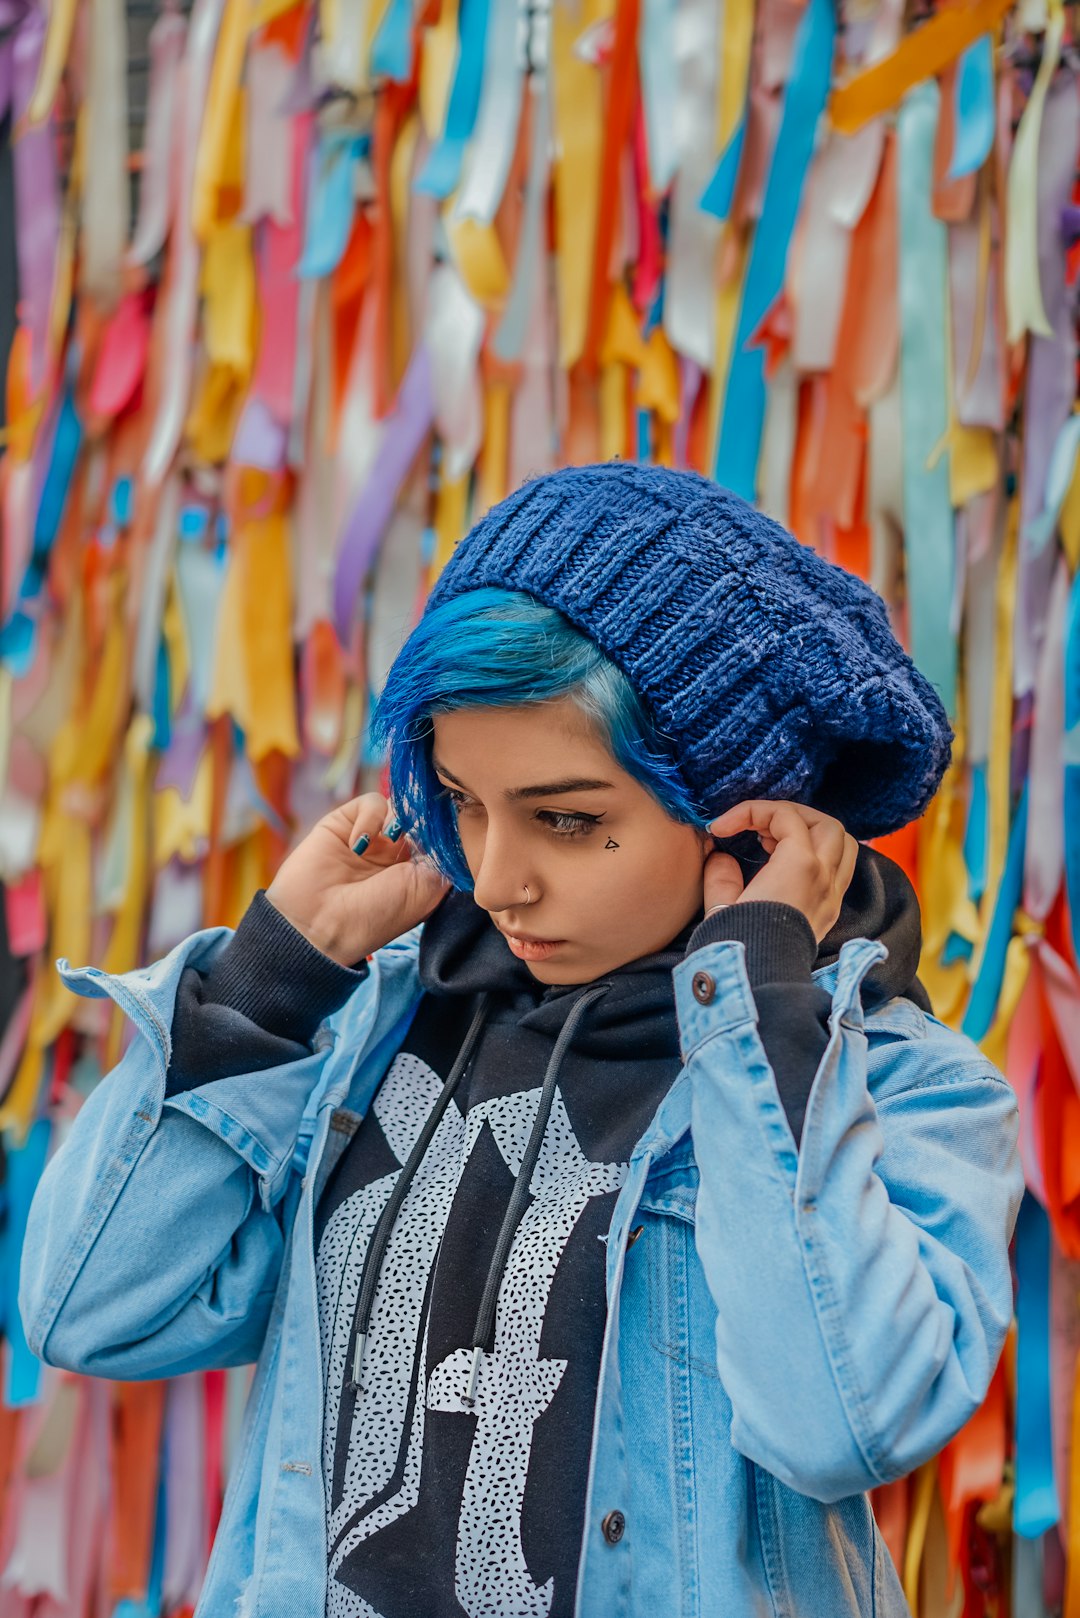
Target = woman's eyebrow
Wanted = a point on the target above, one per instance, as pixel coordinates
(549, 789)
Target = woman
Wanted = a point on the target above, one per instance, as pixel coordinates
(605, 1207)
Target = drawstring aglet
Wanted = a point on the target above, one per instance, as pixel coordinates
(469, 1396)
(358, 1359)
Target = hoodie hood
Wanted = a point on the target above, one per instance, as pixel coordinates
(462, 952)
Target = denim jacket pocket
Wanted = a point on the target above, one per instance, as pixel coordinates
(682, 1315)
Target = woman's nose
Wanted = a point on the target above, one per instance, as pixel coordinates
(499, 880)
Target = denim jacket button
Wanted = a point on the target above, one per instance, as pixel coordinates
(613, 1527)
(703, 987)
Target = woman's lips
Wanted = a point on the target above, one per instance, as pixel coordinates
(532, 949)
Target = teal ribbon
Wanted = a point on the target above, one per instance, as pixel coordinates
(1035, 1505)
(987, 987)
(391, 49)
(18, 637)
(974, 110)
(720, 191)
(924, 392)
(442, 167)
(1071, 760)
(25, 1163)
(331, 203)
(739, 444)
(976, 833)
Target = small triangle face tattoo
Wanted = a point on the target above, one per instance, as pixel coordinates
(611, 843)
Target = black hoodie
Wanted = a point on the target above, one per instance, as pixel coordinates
(485, 1174)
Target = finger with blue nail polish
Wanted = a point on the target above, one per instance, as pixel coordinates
(361, 844)
(394, 830)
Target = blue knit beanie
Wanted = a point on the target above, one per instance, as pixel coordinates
(773, 673)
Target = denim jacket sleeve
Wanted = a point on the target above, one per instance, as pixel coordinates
(156, 1234)
(862, 1282)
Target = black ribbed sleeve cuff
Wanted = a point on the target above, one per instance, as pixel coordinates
(276, 977)
(780, 942)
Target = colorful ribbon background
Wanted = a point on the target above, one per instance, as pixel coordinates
(275, 338)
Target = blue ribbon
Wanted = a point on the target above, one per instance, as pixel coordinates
(442, 167)
(391, 49)
(1035, 1505)
(18, 637)
(739, 444)
(332, 203)
(987, 989)
(24, 1169)
(974, 109)
(717, 196)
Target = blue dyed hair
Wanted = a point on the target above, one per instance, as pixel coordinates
(494, 648)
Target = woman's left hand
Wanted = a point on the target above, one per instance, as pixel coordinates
(811, 860)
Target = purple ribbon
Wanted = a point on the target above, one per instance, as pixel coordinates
(404, 432)
(37, 200)
(1051, 376)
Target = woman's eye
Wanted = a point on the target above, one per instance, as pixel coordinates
(566, 825)
(562, 823)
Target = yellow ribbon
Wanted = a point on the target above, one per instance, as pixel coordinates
(438, 58)
(253, 663)
(479, 257)
(451, 504)
(181, 826)
(736, 37)
(54, 59)
(218, 132)
(920, 55)
(579, 114)
(918, 1524)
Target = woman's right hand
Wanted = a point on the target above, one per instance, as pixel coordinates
(349, 905)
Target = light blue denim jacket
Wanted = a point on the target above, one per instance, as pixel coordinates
(789, 1329)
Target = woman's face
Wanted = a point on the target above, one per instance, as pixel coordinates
(542, 804)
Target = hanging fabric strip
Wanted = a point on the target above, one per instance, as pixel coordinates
(106, 187)
(1070, 753)
(1023, 293)
(1044, 859)
(509, 335)
(391, 48)
(744, 404)
(25, 1162)
(441, 169)
(181, 287)
(1051, 371)
(404, 433)
(166, 45)
(987, 988)
(37, 199)
(658, 73)
(975, 113)
(1036, 1503)
(689, 299)
(928, 518)
(920, 56)
(491, 150)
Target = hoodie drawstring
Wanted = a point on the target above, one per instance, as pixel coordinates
(380, 1236)
(484, 1330)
